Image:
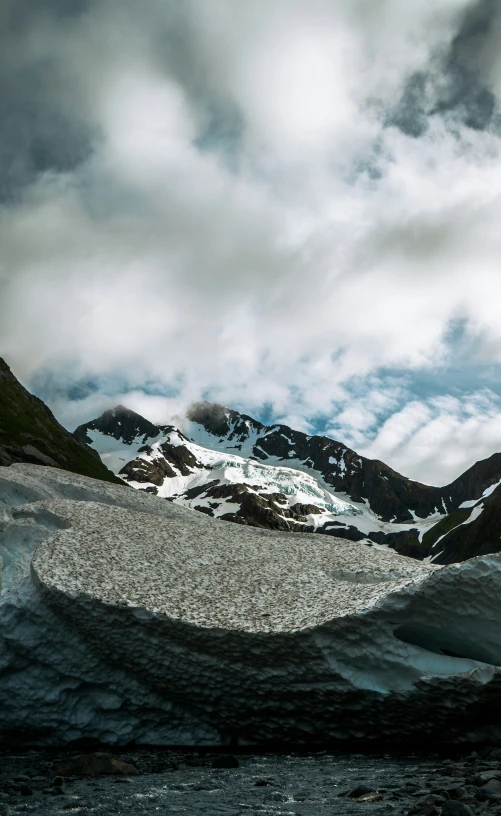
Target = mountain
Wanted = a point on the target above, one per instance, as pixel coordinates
(232, 467)
(30, 433)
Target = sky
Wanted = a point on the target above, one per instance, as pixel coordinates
(292, 208)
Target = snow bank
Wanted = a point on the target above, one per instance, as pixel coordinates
(143, 621)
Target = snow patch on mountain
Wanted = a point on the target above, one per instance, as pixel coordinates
(240, 444)
(115, 453)
(484, 495)
(475, 513)
(230, 469)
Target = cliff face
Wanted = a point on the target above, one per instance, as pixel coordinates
(30, 433)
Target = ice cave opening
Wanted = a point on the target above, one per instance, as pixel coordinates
(469, 639)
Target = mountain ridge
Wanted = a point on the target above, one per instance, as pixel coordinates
(236, 468)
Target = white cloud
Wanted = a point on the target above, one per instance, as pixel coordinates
(270, 262)
(433, 441)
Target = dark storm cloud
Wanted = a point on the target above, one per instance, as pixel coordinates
(40, 130)
(459, 87)
(467, 67)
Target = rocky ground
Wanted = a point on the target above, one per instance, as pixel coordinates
(299, 784)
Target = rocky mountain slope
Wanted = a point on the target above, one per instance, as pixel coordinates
(29, 432)
(230, 466)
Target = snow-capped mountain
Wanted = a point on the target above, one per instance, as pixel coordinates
(230, 466)
(216, 481)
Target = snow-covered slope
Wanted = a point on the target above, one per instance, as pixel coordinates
(230, 466)
(139, 620)
(219, 479)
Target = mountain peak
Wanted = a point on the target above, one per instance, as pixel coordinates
(220, 421)
(120, 423)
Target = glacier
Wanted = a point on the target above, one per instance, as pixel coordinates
(209, 467)
(127, 618)
(226, 468)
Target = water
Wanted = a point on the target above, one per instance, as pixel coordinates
(186, 784)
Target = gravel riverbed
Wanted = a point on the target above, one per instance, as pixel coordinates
(279, 784)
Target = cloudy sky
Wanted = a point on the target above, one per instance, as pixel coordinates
(292, 207)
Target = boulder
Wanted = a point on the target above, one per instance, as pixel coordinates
(491, 788)
(486, 776)
(359, 791)
(98, 763)
(453, 808)
(369, 798)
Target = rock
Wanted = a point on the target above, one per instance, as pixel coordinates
(457, 771)
(98, 763)
(442, 792)
(25, 790)
(360, 790)
(57, 781)
(486, 776)
(375, 796)
(432, 799)
(456, 793)
(425, 809)
(489, 790)
(452, 808)
(225, 761)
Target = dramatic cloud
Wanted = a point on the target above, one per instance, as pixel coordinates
(447, 434)
(260, 203)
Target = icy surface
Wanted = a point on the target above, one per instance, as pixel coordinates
(227, 462)
(231, 469)
(115, 453)
(217, 576)
(143, 621)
